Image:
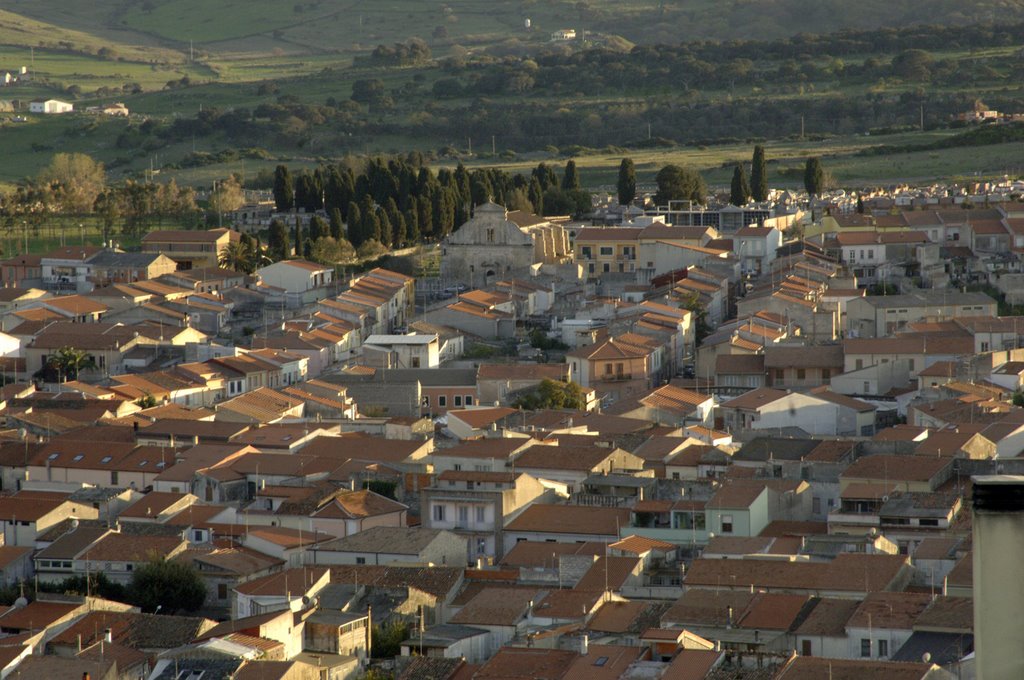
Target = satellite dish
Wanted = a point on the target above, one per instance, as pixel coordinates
(885, 499)
(74, 523)
(926, 657)
(305, 599)
(20, 602)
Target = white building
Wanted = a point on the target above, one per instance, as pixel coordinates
(50, 106)
(303, 282)
(402, 351)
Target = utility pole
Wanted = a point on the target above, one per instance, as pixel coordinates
(494, 148)
(469, 142)
(801, 126)
(922, 117)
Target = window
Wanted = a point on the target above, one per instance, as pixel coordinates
(197, 535)
(726, 524)
(928, 522)
(490, 236)
(463, 515)
(607, 267)
(480, 514)
(458, 400)
(586, 254)
(865, 648)
(826, 374)
(816, 505)
(442, 401)
(780, 374)
(910, 364)
(859, 364)
(415, 362)
(113, 477)
(481, 546)
(883, 648)
(438, 513)
(425, 401)
(801, 374)
(222, 591)
(469, 400)
(984, 346)
(607, 250)
(607, 369)
(457, 467)
(360, 560)
(805, 648)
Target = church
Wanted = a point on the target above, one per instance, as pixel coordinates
(497, 244)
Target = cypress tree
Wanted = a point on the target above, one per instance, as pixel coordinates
(412, 226)
(759, 175)
(536, 195)
(740, 191)
(425, 216)
(571, 177)
(814, 176)
(298, 237)
(284, 191)
(355, 225)
(277, 242)
(337, 227)
(626, 184)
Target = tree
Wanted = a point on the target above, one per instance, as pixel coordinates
(146, 401)
(371, 249)
(328, 250)
(77, 178)
(318, 228)
(558, 202)
(860, 205)
(284, 190)
(627, 182)
(386, 640)
(277, 242)
(300, 243)
(701, 327)
(552, 394)
(676, 183)
(369, 91)
(308, 193)
(739, 194)
(226, 196)
(759, 175)
(355, 224)
(172, 586)
(65, 364)
(337, 226)
(239, 256)
(814, 176)
(571, 177)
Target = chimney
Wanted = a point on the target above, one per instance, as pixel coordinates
(728, 616)
(108, 635)
(998, 551)
(584, 645)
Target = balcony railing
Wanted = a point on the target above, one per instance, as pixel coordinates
(616, 377)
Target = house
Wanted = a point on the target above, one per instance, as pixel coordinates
(616, 369)
(566, 523)
(810, 668)
(878, 316)
(799, 368)
(303, 282)
(22, 271)
(110, 267)
(26, 515)
(67, 269)
(402, 351)
(573, 465)
(106, 344)
(476, 504)
(767, 408)
(755, 247)
(88, 550)
(501, 383)
(670, 405)
(471, 423)
(384, 545)
(286, 590)
(497, 244)
(501, 611)
(50, 106)
(190, 249)
(605, 250)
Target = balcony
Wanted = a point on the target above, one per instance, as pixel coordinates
(616, 377)
(863, 519)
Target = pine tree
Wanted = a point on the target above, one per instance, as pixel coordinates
(571, 177)
(284, 191)
(814, 176)
(740, 191)
(627, 182)
(759, 175)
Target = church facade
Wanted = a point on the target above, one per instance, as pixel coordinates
(497, 244)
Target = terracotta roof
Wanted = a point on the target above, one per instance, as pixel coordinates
(37, 615)
(897, 468)
(773, 611)
(479, 418)
(848, 572)
(755, 398)
(947, 615)
(517, 663)
(819, 668)
(828, 617)
(436, 581)
(570, 519)
(117, 547)
(496, 607)
(890, 610)
(295, 581)
(641, 544)
(563, 458)
(533, 554)
(608, 572)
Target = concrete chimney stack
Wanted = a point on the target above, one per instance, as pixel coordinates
(998, 553)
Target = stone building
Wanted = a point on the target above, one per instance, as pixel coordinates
(496, 244)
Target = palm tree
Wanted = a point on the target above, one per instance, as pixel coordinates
(239, 256)
(68, 362)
